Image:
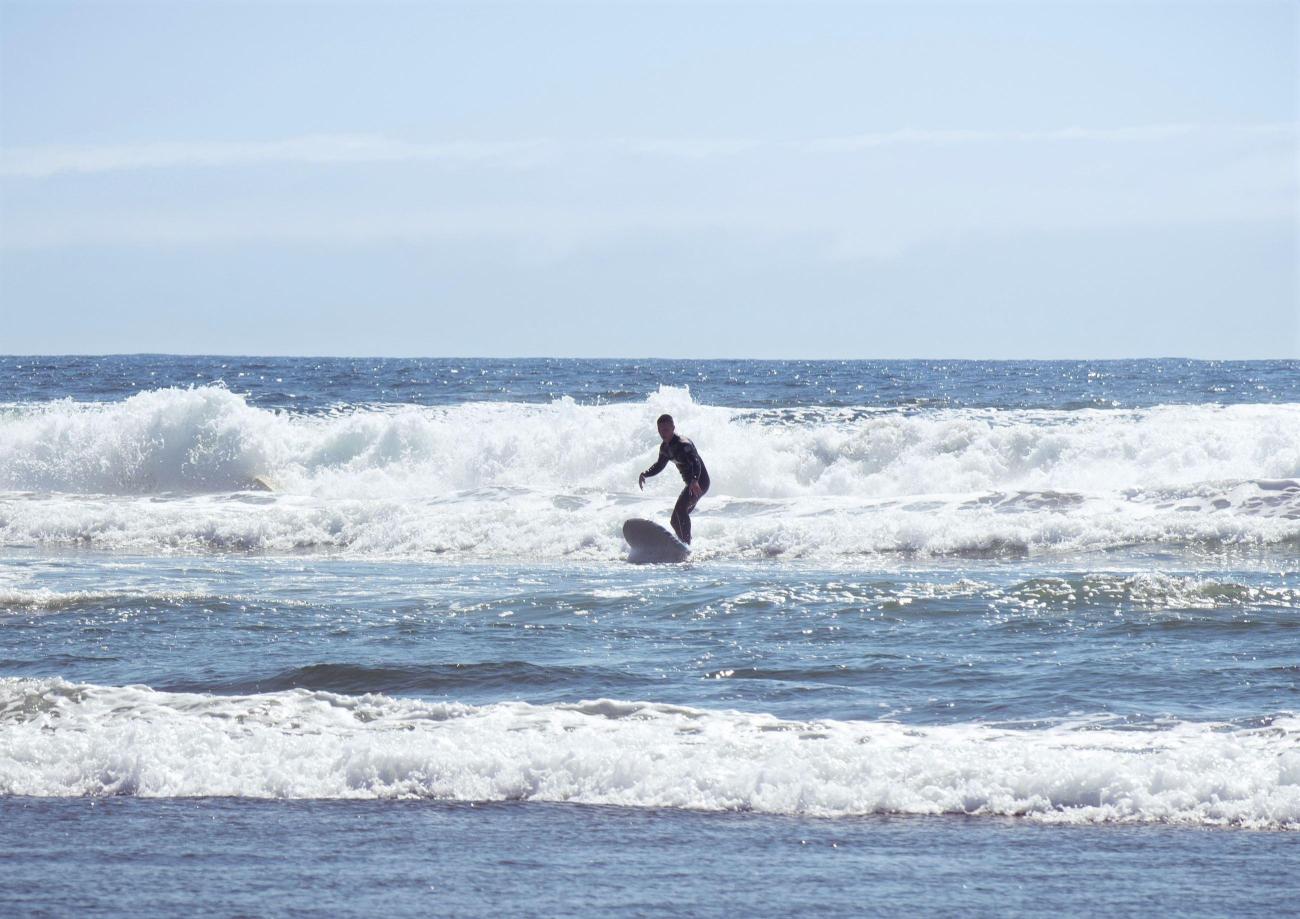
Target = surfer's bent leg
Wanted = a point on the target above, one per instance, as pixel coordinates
(682, 515)
(682, 511)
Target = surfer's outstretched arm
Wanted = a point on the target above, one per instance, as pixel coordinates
(658, 466)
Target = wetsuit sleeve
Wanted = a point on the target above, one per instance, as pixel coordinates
(660, 463)
(694, 465)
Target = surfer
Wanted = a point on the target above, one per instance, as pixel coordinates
(687, 460)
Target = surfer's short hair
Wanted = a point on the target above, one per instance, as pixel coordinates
(665, 419)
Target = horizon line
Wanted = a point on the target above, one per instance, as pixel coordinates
(522, 357)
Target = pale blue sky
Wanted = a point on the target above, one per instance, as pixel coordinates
(676, 180)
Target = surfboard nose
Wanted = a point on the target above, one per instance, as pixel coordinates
(650, 543)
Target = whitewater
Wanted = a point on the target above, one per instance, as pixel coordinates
(178, 468)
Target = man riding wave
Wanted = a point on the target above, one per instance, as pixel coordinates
(682, 453)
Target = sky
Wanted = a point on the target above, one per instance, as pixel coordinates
(729, 179)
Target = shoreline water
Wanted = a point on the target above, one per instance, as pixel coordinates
(218, 857)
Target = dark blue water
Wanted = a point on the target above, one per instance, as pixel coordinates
(313, 384)
(214, 857)
(997, 643)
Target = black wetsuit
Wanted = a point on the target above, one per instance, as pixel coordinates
(687, 460)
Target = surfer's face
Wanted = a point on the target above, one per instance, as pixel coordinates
(666, 430)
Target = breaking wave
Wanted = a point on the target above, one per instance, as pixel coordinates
(177, 469)
(63, 739)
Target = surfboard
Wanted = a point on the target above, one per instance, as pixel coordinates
(651, 543)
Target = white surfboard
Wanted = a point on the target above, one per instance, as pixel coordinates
(651, 543)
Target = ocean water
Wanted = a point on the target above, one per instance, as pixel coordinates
(956, 637)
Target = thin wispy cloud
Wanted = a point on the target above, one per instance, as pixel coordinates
(1152, 133)
(530, 223)
(45, 161)
(38, 162)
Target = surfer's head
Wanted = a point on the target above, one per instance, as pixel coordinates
(666, 427)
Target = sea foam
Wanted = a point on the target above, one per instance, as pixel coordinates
(63, 739)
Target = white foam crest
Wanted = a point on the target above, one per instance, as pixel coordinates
(209, 439)
(968, 451)
(527, 524)
(62, 739)
(955, 527)
(199, 439)
(43, 599)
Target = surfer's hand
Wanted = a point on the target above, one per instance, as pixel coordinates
(640, 481)
(696, 490)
